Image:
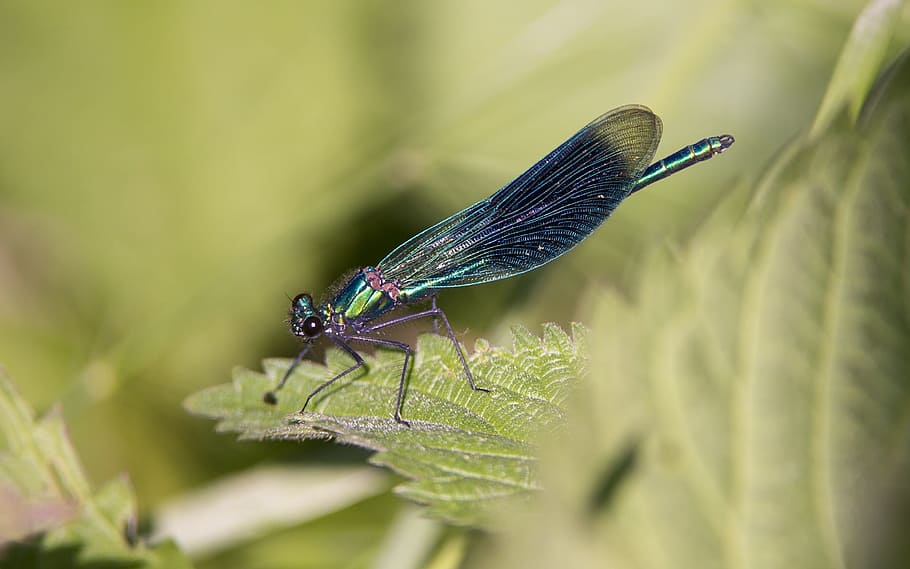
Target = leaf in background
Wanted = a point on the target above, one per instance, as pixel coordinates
(859, 62)
(272, 498)
(753, 408)
(464, 452)
(47, 500)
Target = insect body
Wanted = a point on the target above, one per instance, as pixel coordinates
(530, 221)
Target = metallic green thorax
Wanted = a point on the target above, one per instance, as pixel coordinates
(365, 297)
(693, 154)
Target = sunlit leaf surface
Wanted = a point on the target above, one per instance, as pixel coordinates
(464, 451)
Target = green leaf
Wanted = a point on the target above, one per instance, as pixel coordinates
(464, 452)
(752, 408)
(50, 515)
(860, 62)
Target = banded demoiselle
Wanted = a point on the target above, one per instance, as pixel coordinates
(530, 221)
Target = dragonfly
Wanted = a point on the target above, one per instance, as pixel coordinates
(532, 220)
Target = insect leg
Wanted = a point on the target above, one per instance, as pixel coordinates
(435, 320)
(404, 368)
(435, 312)
(269, 396)
(464, 362)
(358, 363)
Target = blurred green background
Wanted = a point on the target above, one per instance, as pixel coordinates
(171, 171)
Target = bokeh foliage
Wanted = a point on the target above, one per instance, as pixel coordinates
(52, 518)
(170, 170)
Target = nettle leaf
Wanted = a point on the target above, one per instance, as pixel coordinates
(464, 452)
(49, 514)
(752, 407)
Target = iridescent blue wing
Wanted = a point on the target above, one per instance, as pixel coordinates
(538, 216)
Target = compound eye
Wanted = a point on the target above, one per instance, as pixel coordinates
(302, 298)
(312, 326)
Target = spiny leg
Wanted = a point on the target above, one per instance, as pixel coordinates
(435, 312)
(435, 320)
(269, 396)
(464, 361)
(404, 368)
(358, 363)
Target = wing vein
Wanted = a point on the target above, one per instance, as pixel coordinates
(540, 215)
